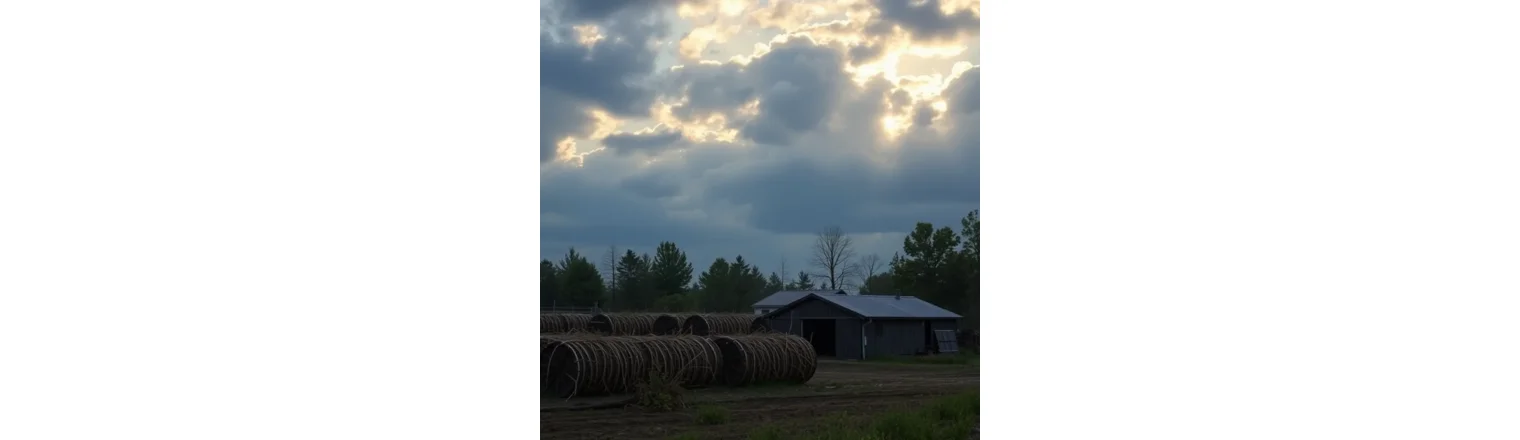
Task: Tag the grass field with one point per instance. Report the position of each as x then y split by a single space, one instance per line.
899 399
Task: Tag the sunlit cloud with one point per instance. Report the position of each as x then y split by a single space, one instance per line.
668 118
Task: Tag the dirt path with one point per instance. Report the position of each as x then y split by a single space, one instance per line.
856 389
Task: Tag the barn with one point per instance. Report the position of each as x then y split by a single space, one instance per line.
784 297
860 326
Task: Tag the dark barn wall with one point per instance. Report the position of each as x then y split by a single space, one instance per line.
848 346
944 324
846 326
895 337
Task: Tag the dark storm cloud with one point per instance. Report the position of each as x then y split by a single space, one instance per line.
604 213
654 140
582 10
964 94
924 21
558 116
651 186
865 53
798 85
801 83
946 169
837 167
710 89
923 115
574 78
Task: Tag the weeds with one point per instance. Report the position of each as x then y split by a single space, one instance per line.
949 418
660 394
712 415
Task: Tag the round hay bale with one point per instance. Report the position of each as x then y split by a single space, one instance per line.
718 324
759 325
666 325
576 322
772 357
546 345
562 322
692 361
622 324
552 323
598 366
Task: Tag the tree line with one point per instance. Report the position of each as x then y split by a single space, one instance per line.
940 265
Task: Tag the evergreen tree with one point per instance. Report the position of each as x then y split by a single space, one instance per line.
580 284
774 284
548 284
670 272
803 282
633 283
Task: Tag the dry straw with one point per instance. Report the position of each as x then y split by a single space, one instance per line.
589 365
562 322
623 324
771 357
596 366
759 325
666 325
692 361
546 345
718 324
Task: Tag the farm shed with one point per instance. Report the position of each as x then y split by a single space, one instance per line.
780 299
860 326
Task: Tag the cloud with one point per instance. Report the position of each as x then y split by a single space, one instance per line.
651 139
926 19
814 127
594 55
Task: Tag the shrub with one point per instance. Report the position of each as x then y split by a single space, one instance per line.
660 394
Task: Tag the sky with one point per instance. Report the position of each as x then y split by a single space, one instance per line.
744 127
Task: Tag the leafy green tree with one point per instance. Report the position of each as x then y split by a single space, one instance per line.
674 303
548 284
971 232
580 284
670 273
971 256
931 267
880 284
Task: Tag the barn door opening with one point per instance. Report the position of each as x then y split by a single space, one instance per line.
822 334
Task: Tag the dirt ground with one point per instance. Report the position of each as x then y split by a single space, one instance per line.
839 389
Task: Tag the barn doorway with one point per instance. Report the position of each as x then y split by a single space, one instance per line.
821 333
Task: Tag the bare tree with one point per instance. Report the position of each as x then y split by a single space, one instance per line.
869 264
834 256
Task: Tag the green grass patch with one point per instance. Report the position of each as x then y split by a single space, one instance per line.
712 415
949 418
766 433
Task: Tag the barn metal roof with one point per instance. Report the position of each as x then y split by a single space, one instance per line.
785 297
883 306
